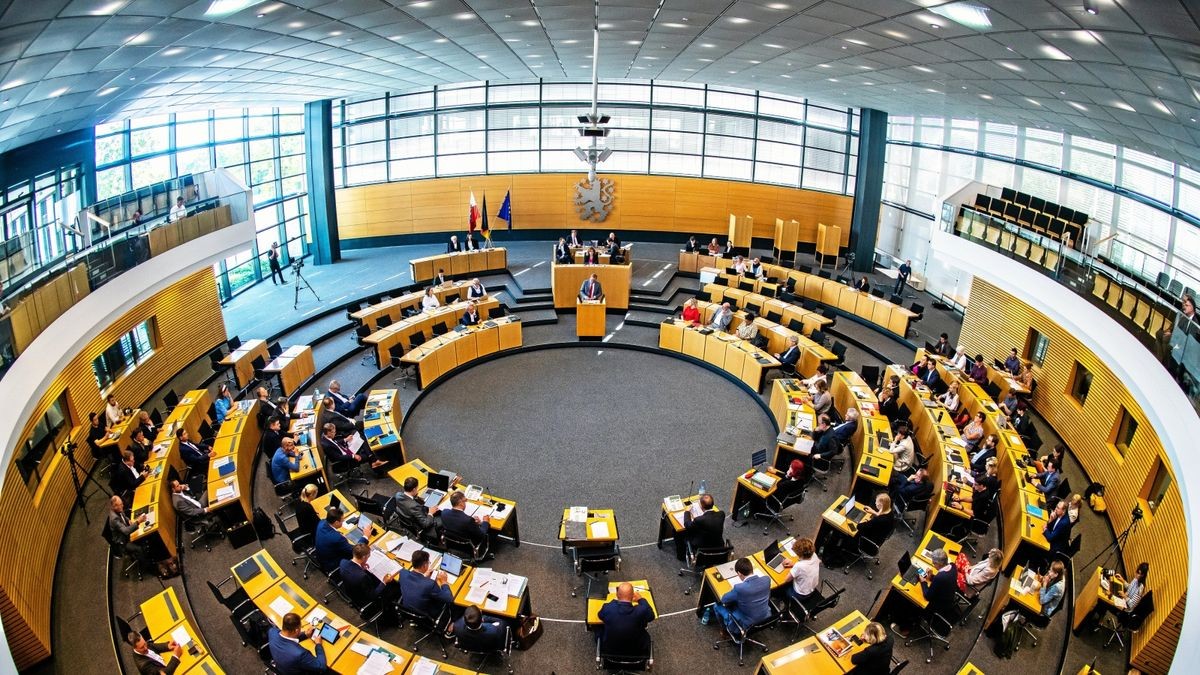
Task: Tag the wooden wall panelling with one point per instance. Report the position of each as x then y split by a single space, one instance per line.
190 322
996 321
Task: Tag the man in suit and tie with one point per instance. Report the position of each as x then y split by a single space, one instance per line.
832 442
195 455
350 407
790 356
1058 530
574 241
345 424
414 510
333 446
471 316
473 633
330 544
562 254
148 655
291 658
706 530
591 289
722 318
185 504
624 620
931 378
140 448
454 246
125 476
119 526
423 592
361 584
747 603
439 279
474 529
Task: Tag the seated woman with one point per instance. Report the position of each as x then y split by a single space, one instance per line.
591 257
983 571
793 481
430 301
1025 377
713 247
306 515
880 521
1074 502
820 400
953 403
972 433
739 266
1058 453
863 285
691 312
889 405
876 659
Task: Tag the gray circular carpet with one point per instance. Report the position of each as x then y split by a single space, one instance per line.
592 426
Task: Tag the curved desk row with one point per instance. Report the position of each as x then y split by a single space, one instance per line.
738 357
811 353
502 523
868 445
455 264
236 443
242 360
399 334
393 309
769 307
153 496
463 344
166 620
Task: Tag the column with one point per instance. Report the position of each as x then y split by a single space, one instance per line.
868 188
322 208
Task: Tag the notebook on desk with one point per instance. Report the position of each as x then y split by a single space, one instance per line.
372 432
575 530
872 471
247 570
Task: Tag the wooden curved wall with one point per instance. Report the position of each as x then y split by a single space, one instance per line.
546 201
189 321
995 321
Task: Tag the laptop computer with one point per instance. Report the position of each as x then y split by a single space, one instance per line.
908 573
334 502
451 564
773 556
439 481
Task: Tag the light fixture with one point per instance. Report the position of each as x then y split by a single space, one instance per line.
173 51
1054 53
464 16
296 24
966 14
671 24
1089 6
110 8
529 23
738 19
923 69
772 45
219 8
106 92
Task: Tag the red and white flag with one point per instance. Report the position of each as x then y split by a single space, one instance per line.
473 214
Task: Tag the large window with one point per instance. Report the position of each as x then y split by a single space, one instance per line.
47 434
127 352
656 127
262 147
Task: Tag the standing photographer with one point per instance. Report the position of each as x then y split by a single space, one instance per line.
273 261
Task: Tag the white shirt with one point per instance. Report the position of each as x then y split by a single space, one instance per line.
430 302
980 573
113 413
476 291
153 655
903 450
192 501
178 211
951 401
806 576
960 361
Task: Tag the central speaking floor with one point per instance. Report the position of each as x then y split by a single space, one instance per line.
590 425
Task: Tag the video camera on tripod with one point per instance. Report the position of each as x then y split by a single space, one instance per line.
297 265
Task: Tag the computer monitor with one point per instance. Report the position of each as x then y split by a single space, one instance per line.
758 457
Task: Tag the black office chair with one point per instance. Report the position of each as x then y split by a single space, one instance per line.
234 342
919 310
497 312
440 329
135 558
818 336
1123 625
286 491
868 550
809 305
830 314
877 292
870 375
917 524
408 371
967 532
935 628
801 613
202 527
896 299
797 326
775 504
472 553
621 664
346 471
740 635
473 647
839 352
704 296
434 626
170 400
593 563
969 599
274 350
702 559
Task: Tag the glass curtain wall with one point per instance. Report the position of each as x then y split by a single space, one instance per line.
263 147
657 128
1144 211
35 216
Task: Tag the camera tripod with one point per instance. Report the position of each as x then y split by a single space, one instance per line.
298 279
1119 543
68 451
846 271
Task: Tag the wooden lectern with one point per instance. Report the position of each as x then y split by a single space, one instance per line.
590 319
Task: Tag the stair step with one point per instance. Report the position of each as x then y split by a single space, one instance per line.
537 317
661 310
637 317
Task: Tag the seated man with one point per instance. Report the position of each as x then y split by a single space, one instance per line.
915 488
902 451
195 455
361 585
414 510
456 522
790 356
1047 482
148 655
837 437
472 633
187 505
345 424
706 530
331 546
1013 363
591 289
747 603
120 527
333 446
290 657
938 589
125 477
943 347
471 316
562 254
691 245
574 239
285 461
140 447
624 620
722 318
421 593
350 407
453 246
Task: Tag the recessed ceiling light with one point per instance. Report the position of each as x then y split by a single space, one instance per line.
857 42
1123 106
463 16
422 3
106 92
441 41
132 78
708 45
923 69
705 60
109 8
652 58
932 91
568 42
604 26
1162 107
530 23
1054 53
633 42
756 62
335 33
896 34
670 24
738 19
58 92
140 38
1011 66
732 72
986 97
296 24
778 5
864 67
1089 6
218 57
785 75
1078 106
824 65
1062 93
173 51
483 56
832 79
219 8
966 14
1033 102
534 56
772 45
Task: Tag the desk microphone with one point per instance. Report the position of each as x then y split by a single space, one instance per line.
690 485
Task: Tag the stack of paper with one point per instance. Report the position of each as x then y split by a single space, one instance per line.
226 492
599 530
280 606
377 663
424 666
516 585
381 566
408 548
578 514
181 637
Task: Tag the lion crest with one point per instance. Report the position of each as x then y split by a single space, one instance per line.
593 200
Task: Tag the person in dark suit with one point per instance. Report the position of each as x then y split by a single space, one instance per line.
863 285
914 488
791 355
747 603
140 448
272 436
332 446
1058 529
591 289
691 245
185 504
361 585
624 620
876 659
346 405
454 246
119 526
471 316
306 514
291 658
591 257
469 244
706 530
148 655
878 527
195 455
728 250
833 441
422 592
574 241
943 346
473 633
938 589
344 424
414 510
125 477
1021 422
147 426
439 279
96 434
985 451
456 522
330 544
562 254
266 407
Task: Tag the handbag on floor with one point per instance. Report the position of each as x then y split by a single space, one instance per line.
529 630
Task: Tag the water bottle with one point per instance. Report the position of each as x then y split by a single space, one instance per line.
703 487
316 395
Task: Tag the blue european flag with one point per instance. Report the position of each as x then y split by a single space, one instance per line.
505 213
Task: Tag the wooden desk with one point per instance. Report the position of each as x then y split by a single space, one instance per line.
455 264
117 437
811 353
714 588
747 494
670 525
641 586
591 540
162 613
841 521
1011 594
516 605
294 366
269 573
920 559
286 591
237 442
738 357
1093 593
566 280
577 253
393 309
766 303
242 360
382 416
349 661
590 318
692 263
446 352
397 337
419 662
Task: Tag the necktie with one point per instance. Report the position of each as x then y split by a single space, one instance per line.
592 291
